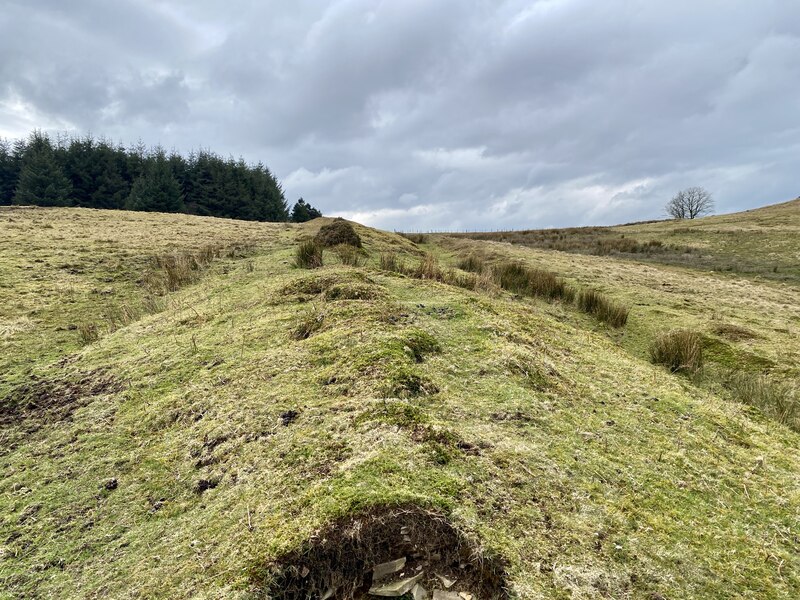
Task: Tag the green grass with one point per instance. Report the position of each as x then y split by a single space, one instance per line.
759 243
547 441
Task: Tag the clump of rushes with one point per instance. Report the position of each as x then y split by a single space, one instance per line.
415 238
520 279
680 351
602 307
390 262
512 277
472 263
776 399
349 255
308 255
428 268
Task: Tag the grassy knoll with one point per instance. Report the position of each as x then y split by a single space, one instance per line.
200 449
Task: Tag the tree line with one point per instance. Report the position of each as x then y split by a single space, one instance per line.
95 173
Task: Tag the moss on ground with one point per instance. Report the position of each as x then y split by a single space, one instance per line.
540 433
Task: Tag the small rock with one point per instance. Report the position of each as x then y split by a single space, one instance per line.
382 570
447 583
328 594
419 593
465 595
304 572
395 589
440 595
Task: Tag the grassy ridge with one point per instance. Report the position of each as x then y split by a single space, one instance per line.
589 470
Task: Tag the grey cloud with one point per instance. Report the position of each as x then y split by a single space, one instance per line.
428 115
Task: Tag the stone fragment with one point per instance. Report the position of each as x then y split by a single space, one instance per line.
393 566
419 593
447 583
442 595
395 589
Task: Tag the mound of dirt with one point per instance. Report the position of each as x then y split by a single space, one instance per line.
337 232
386 552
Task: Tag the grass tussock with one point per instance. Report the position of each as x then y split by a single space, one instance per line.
606 310
776 399
415 238
520 279
428 268
680 351
338 232
349 255
472 263
308 255
308 324
88 332
389 261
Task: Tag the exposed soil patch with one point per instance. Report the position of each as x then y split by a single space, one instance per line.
381 548
37 403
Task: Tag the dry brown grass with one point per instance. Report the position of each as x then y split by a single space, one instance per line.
602 307
308 255
680 351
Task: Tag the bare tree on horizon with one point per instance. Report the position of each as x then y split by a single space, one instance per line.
690 203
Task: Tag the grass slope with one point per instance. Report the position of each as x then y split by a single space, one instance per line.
181 454
759 243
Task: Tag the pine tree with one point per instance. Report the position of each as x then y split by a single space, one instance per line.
157 190
8 172
41 179
302 212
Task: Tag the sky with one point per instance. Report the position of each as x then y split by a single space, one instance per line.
423 115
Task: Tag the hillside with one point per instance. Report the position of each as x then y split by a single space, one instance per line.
763 242
185 413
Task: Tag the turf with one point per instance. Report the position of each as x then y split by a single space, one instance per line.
204 442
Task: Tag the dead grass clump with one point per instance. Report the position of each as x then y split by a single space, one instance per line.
520 279
390 262
309 323
338 232
428 268
777 400
679 350
472 263
602 307
415 238
468 281
733 332
88 332
339 561
178 269
349 255
512 277
308 255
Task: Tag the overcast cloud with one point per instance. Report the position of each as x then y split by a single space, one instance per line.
433 114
